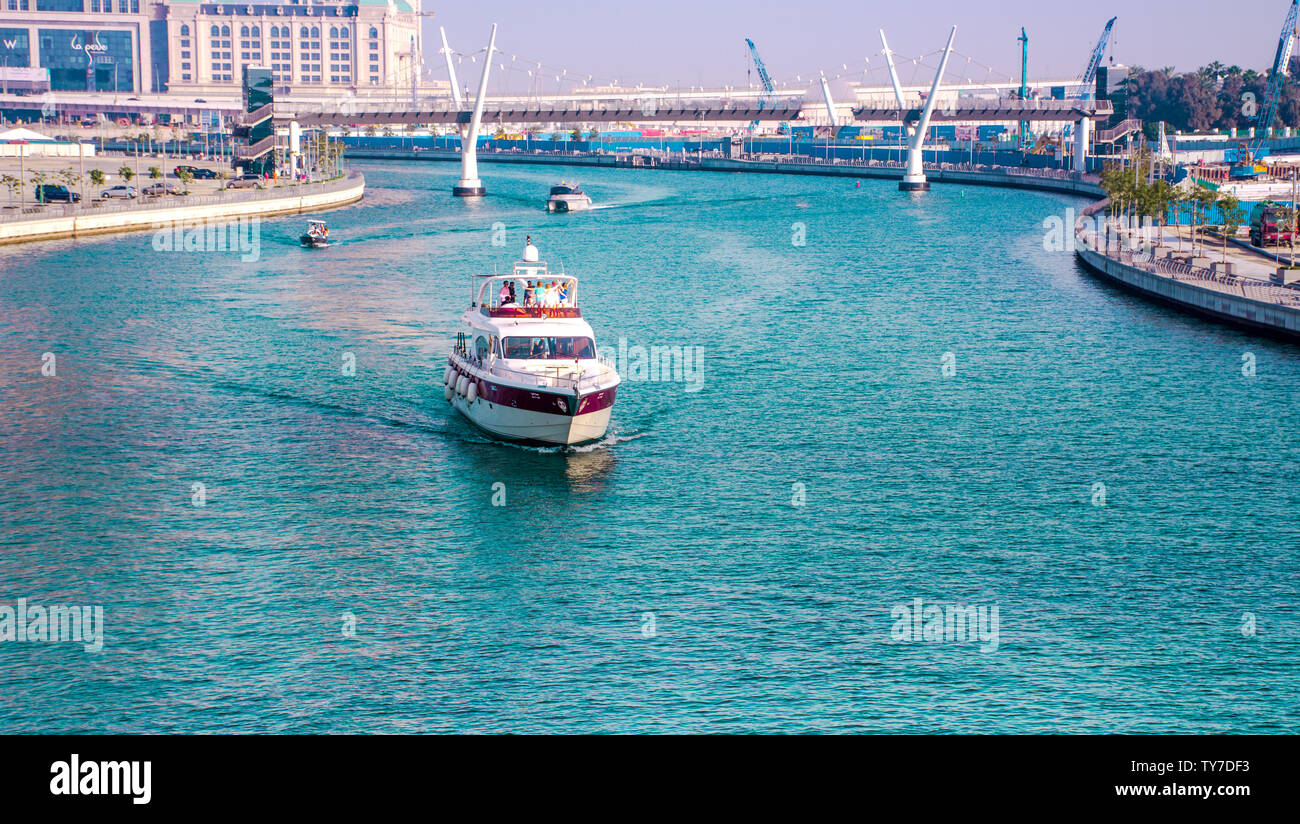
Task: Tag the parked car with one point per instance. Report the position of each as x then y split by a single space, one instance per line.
160 189
119 191
197 172
54 193
246 181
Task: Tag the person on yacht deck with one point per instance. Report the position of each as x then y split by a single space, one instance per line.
530 294
552 295
505 294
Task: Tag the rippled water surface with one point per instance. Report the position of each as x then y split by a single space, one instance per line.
664 579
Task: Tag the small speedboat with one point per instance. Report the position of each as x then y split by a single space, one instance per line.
524 367
317 234
567 197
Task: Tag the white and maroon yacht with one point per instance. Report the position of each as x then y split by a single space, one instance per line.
525 368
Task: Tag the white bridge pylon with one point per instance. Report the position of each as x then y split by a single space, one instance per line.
914 175
469 184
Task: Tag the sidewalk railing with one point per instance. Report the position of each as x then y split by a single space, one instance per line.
274 191
1250 288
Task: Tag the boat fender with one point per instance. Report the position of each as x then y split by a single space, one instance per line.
471 392
446 391
460 385
446 376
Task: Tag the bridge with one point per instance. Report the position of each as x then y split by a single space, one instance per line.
1058 111
913 110
444 113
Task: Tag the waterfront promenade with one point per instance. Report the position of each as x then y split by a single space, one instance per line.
1237 287
92 217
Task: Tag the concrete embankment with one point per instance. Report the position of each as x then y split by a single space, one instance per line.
1253 306
80 221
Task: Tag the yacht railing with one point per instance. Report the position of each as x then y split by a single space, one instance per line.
496 368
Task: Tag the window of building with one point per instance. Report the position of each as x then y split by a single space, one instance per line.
340 55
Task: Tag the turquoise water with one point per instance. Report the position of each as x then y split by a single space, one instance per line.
672 577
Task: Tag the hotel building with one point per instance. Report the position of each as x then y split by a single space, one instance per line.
198 48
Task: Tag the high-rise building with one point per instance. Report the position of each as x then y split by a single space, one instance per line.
196 47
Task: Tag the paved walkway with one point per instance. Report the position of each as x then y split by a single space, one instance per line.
1247 263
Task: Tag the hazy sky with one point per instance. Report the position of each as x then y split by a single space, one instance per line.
702 42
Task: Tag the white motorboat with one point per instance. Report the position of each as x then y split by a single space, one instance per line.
567 197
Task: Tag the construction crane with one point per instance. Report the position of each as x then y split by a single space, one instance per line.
1090 73
1281 68
1024 83
1247 165
769 90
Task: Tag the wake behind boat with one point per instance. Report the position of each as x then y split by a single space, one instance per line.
525 367
567 197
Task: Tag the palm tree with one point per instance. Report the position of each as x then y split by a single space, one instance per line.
1286 216
38 177
11 183
1162 195
1178 197
1230 211
1203 199
70 179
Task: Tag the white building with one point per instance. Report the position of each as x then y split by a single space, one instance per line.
197 47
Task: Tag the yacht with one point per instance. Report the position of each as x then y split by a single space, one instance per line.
524 367
567 197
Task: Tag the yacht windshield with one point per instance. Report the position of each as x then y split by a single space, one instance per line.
549 348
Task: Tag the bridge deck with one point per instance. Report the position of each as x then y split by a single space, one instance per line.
1036 110
446 115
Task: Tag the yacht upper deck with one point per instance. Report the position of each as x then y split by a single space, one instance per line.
531 290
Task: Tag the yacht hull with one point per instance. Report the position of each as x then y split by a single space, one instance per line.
526 414
536 428
568 204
